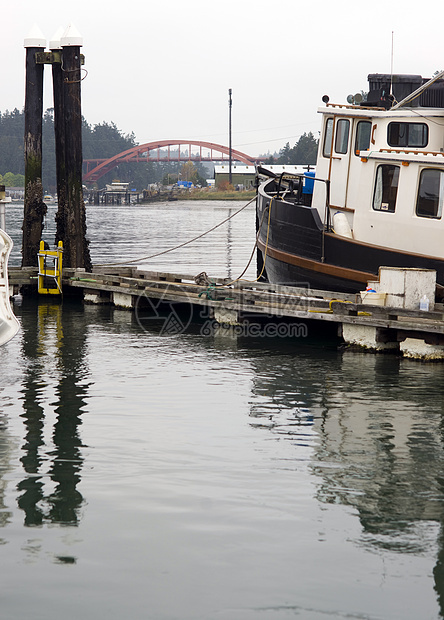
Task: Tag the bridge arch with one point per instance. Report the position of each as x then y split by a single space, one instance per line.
207 151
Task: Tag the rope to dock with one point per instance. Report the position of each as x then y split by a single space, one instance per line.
239 278
181 245
213 285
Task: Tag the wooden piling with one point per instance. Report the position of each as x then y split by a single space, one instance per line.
73 218
59 133
34 207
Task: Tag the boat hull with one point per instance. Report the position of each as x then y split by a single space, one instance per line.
298 252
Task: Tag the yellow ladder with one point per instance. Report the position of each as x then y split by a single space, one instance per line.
50 270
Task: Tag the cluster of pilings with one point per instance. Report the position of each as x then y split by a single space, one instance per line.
65 58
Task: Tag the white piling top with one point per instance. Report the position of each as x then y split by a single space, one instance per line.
55 40
71 37
35 38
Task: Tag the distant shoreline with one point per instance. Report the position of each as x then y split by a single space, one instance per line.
248 195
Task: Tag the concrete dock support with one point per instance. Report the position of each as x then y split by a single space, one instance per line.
123 300
226 316
420 350
96 297
367 337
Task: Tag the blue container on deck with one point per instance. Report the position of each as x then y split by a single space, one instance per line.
308 182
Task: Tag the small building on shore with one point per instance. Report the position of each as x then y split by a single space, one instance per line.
15 193
244 175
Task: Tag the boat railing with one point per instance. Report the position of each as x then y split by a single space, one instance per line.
349 106
411 152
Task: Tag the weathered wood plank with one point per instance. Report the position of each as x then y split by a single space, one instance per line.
385 311
274 302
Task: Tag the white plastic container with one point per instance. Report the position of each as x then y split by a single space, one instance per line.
373 299
424 304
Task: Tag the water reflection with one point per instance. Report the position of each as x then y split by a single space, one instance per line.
54 392
5 456
375 428
380 449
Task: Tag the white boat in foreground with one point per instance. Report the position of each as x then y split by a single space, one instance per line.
9 324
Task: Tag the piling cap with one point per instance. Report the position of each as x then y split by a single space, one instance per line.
71 37
35 38
55 40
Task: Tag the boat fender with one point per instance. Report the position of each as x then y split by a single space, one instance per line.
341 225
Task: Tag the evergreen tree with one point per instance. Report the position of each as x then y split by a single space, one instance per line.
12 130
102 141
304 151
285 155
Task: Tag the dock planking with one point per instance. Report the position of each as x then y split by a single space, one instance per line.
242 301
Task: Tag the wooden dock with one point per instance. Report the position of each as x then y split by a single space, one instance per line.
412 333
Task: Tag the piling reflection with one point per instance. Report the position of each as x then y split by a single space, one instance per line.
375 427
54 392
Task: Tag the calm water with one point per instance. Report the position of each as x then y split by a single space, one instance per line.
196 477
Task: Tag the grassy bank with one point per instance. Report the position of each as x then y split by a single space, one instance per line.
215 195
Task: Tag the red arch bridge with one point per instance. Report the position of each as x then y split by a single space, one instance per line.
163 152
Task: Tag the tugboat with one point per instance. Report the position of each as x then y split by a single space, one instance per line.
376 198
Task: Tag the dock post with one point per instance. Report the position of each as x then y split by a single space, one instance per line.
59 132
34 208
73 219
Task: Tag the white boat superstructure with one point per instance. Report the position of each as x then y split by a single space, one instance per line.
378 191
386 170
9 324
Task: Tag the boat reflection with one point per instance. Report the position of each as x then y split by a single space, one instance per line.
54 393
375 429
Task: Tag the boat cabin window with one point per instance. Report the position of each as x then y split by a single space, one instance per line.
363 134
430 194
408 134
341 137
342 131
386 188
327 139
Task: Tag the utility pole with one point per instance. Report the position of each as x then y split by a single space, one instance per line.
34 208
230 104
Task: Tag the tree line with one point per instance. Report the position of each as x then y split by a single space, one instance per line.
303 152
99 141
105 140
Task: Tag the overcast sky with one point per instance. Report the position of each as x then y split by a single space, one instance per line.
163 68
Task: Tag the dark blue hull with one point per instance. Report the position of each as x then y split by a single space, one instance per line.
298 251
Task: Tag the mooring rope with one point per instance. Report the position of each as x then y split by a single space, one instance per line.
212 285
181 245
239 278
